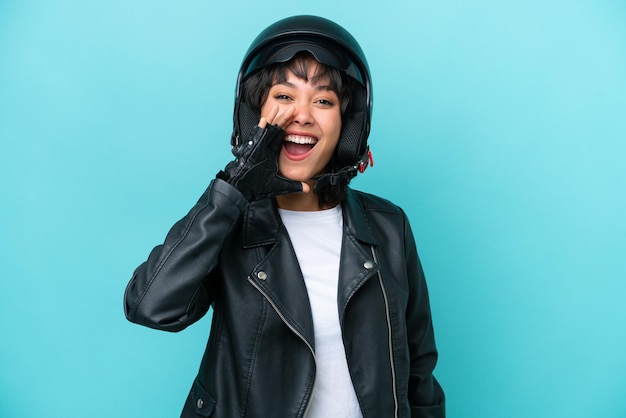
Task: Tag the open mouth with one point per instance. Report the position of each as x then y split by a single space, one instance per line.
298 145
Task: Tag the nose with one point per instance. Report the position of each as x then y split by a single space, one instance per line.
302 114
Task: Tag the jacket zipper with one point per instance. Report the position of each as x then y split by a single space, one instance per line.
391 359
294 331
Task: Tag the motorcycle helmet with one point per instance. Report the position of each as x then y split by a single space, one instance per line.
332 45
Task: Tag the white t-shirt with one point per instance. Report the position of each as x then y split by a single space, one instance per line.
316 238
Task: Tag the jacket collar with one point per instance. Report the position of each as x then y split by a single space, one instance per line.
261 223
262 227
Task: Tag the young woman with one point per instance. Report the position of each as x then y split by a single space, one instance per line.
320 307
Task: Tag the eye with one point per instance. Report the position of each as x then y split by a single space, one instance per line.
326 102
282 97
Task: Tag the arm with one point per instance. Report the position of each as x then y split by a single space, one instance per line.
425 394
168 291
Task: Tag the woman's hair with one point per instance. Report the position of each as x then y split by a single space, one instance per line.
257 85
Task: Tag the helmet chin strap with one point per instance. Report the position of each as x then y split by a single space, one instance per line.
345 174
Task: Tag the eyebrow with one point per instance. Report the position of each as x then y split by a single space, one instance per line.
322 87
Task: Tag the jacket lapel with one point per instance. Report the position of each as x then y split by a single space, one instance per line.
277 275
357 261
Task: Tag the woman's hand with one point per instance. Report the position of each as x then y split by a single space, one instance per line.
275 117
282 120
254 172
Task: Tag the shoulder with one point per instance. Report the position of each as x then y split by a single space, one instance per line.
372 203
375 219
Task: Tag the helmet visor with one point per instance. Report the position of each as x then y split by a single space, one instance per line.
321 50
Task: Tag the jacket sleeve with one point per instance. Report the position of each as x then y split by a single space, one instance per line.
169 291
426 396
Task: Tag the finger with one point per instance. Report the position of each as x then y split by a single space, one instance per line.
271 115
284 119
262 123
305 188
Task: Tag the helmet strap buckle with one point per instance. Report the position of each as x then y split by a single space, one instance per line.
366 160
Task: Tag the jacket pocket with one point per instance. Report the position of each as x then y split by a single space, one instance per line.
199 403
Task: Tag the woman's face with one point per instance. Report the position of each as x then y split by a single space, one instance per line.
310 114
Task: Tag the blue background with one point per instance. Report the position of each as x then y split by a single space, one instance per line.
498 125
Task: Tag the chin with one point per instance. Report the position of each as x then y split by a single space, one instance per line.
296 175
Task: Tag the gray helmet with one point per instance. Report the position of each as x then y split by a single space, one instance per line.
331 45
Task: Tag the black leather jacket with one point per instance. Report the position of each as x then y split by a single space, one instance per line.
260 357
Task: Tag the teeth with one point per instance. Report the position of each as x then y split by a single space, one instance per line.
301 139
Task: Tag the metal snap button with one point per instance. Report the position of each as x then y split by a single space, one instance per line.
262 275
200 403
368 265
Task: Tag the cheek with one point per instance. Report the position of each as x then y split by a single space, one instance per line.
333 134
265 107
336 131
269 103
